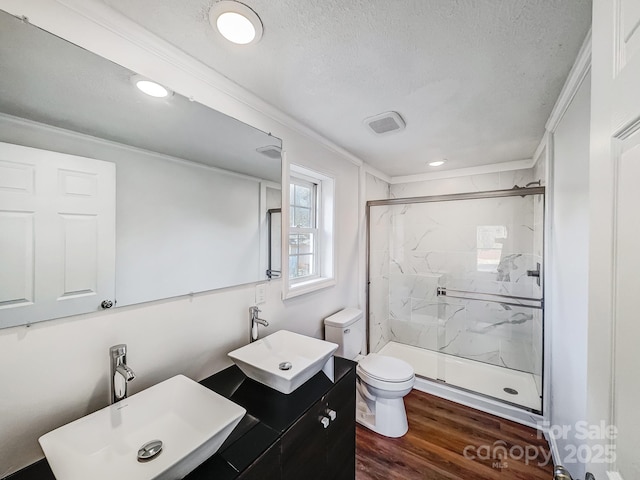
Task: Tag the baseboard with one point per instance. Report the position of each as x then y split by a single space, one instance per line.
553 447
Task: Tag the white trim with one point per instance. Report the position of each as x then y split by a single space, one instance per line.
553 447
481 403
537 156
327 274
548 259
362 240
284 226
315 189
463 172
376 173
577 74
110 30
310 286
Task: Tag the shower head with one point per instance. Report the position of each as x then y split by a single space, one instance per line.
517 187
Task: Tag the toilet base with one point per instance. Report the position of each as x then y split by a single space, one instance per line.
385 416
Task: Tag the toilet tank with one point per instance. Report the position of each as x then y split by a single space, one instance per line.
346 328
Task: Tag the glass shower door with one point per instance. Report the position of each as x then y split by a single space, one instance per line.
463 291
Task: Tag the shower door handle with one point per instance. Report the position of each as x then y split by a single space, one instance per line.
535 273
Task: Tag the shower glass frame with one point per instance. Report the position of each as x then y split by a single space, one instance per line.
516 191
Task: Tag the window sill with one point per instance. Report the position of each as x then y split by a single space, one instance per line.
310 286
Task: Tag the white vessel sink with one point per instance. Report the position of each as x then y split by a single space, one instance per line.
190 420
264 359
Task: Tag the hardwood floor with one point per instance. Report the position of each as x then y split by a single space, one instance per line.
440 432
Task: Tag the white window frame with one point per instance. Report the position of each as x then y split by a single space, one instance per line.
324 273
315 229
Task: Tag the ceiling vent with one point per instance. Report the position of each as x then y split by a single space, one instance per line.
271 151
384 123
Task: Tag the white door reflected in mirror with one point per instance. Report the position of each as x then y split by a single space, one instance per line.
57 248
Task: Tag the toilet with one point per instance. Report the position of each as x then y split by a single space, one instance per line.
382 382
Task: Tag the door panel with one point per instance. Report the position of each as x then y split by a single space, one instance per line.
626 391
628 21
80 259
16 258
57 248
303 447
614 262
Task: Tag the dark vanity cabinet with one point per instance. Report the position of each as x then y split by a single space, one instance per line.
266 466
306 435
321 444
314 425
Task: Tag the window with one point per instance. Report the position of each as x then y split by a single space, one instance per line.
303 229
310 236
490 240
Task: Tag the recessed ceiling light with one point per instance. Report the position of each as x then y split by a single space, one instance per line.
437 164
236 22
150 87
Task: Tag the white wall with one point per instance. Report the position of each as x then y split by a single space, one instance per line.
56 371
569 269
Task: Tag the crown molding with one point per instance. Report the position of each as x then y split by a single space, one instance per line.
544 142
463 172
101 29
581 67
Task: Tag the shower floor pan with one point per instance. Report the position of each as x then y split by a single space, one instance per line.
471 375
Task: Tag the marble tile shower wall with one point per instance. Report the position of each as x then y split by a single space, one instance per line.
379 286
379 275
467 183
416 248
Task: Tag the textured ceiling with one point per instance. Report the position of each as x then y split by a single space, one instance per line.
475 80
49 80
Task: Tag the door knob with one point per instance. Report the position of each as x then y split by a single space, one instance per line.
106 304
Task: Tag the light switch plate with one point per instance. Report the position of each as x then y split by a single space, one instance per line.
261 293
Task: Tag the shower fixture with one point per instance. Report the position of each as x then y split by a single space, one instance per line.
537 182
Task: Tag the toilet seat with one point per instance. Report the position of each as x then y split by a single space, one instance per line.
385 373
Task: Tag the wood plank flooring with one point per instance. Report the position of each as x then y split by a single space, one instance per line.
434 447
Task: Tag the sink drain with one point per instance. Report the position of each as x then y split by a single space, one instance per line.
149 450
511 391
285 366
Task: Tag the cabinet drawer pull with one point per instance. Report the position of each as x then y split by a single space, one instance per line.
332 414
325 421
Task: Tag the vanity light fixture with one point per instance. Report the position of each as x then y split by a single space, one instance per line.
150 87
236 22
437 163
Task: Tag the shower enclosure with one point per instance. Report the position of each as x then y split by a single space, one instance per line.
455 289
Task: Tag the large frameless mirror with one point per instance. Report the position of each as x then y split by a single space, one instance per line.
110 197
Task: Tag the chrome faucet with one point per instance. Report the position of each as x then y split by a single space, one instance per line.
121 374
255 320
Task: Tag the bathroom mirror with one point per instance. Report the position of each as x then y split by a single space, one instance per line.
149 198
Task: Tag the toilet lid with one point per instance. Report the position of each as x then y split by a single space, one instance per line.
386 368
